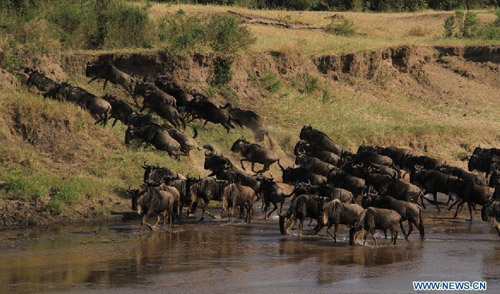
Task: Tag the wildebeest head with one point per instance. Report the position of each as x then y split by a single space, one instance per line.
134 195
140 89
94 68
301 147
216 163
305 132
239 144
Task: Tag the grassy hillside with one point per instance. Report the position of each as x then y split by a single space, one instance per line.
56 165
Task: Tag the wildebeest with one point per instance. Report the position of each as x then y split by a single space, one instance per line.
314 164
120 110
155 135
182 96
484 162
224 169
184 188
159 105
468 192
464 175
187 143
431 181
235 195
206 189
324 190
207 111
335 212
99 108
491 212
254 153
300 175
320 139
152 92
372 219
303 206
151 199
412 161
313 151
408 211
271 193
39 80
343 179
253 121
159 175
398 189
107 71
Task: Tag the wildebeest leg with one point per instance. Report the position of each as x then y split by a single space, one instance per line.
364 238
301 226
266 205
91 80
291 224
252 164
458 208
498 230
449 199
374 239
144 219
249 212
242 166
435 200
470 210
330 233
454 203
274 209
281 206
395 233
385 234
310 222
403 229
410 228
335 233
231 211
114 123
105 83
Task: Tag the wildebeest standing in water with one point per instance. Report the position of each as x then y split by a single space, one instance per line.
107 71
372 219
254 153
304 206
335 212
147 200
236 195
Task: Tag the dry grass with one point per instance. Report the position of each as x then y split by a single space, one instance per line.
375 30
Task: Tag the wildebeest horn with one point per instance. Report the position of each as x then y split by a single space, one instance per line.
209 148
144 165
418 167
129 187
281 167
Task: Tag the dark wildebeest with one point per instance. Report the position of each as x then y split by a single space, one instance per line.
470 193
184 188
431 181
484 163
253 121
347 181
161 107
375 158
159 175
40 81
206 189
147 200
224 169
372 219
395 153
408 211
271 193
464 175
312 151
314 164
300 175
153 93
120 110
335 212
412 161
140 120
107 71
254 153
324 190
182 96
236 195
491 212
209 112
99 108
320 140
303 206
187 143
155 135
398 189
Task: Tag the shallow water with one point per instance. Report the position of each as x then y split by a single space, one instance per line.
214 257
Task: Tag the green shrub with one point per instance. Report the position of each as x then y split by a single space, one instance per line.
227 35
17 184
182 33
471 25
223 73
463 25
345 28
310 84
449 26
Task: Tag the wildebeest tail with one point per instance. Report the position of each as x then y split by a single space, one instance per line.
421 224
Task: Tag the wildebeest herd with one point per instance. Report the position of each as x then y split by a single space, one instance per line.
376 188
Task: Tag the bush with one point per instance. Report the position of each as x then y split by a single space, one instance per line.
462 25
227 35
223 73
345 28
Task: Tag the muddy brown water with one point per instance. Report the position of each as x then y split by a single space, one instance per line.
216 257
